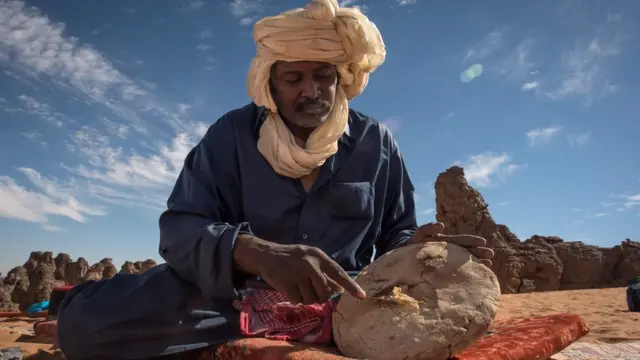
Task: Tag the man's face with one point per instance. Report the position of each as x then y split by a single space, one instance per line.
304 91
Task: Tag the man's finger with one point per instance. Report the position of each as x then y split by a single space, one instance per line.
482 252
291 290
308 293
335 287
486 262
461 240
337 274
431 229
321 287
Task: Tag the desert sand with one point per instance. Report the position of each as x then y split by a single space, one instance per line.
605 311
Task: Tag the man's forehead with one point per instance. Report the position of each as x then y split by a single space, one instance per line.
297 66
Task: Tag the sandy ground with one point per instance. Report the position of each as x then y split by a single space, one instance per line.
604 310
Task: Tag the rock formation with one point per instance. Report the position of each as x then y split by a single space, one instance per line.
541 263
34 281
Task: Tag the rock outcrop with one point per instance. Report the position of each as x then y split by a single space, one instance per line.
541 263
34 281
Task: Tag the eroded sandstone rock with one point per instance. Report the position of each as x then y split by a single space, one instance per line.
541 263
455 299
42 272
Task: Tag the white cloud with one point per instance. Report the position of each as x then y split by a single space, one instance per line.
111 165
393 123
406 2
530 85
195 4
32 43
247 20
246 10
354 3
428 211
203 47
451 115
505 203
585 66
542 136
518 64
205 34
579 140
482 169
49 198
597 215
108 174
632 201
42 110
485 47
623 202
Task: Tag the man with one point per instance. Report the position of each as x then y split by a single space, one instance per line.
295 188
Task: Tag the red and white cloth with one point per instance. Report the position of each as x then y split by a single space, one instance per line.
269 314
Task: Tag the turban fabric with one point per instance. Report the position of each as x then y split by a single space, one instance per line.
322 32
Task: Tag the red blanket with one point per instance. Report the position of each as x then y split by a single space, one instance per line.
516 339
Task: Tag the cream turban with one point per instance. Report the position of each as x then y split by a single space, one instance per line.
322 32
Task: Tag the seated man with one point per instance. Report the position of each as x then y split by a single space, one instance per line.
295 188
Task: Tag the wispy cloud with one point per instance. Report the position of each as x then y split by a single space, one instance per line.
518 63
530 85
484 169
32 43
451 115
505 203
406 2
585 65
485 47
246 11
623 202
49 198
192 5
354 3
393 123
107 173
42 110
542 136
579 140
428 211
205 33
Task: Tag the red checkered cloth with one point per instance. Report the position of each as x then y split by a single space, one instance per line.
269 314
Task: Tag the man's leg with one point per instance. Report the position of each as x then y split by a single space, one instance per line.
141 316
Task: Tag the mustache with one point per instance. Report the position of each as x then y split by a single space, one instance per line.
301 106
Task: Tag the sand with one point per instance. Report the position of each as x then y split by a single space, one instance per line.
605 311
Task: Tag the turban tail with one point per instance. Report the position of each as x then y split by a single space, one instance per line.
322 32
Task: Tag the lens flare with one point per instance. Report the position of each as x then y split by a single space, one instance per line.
471 73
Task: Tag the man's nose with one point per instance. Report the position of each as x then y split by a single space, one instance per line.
310 89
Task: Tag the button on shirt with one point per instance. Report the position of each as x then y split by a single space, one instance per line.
361 205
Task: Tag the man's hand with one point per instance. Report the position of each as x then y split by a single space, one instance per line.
475 244
304 273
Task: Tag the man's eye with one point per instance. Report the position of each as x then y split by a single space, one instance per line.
292 80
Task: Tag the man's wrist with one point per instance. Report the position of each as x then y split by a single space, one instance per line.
245 253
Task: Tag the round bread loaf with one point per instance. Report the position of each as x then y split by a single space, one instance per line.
426 301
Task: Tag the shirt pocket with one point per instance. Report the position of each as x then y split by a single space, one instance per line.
351 200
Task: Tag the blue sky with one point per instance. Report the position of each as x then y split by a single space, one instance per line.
101 100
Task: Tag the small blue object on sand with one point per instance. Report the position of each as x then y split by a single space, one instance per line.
38 307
